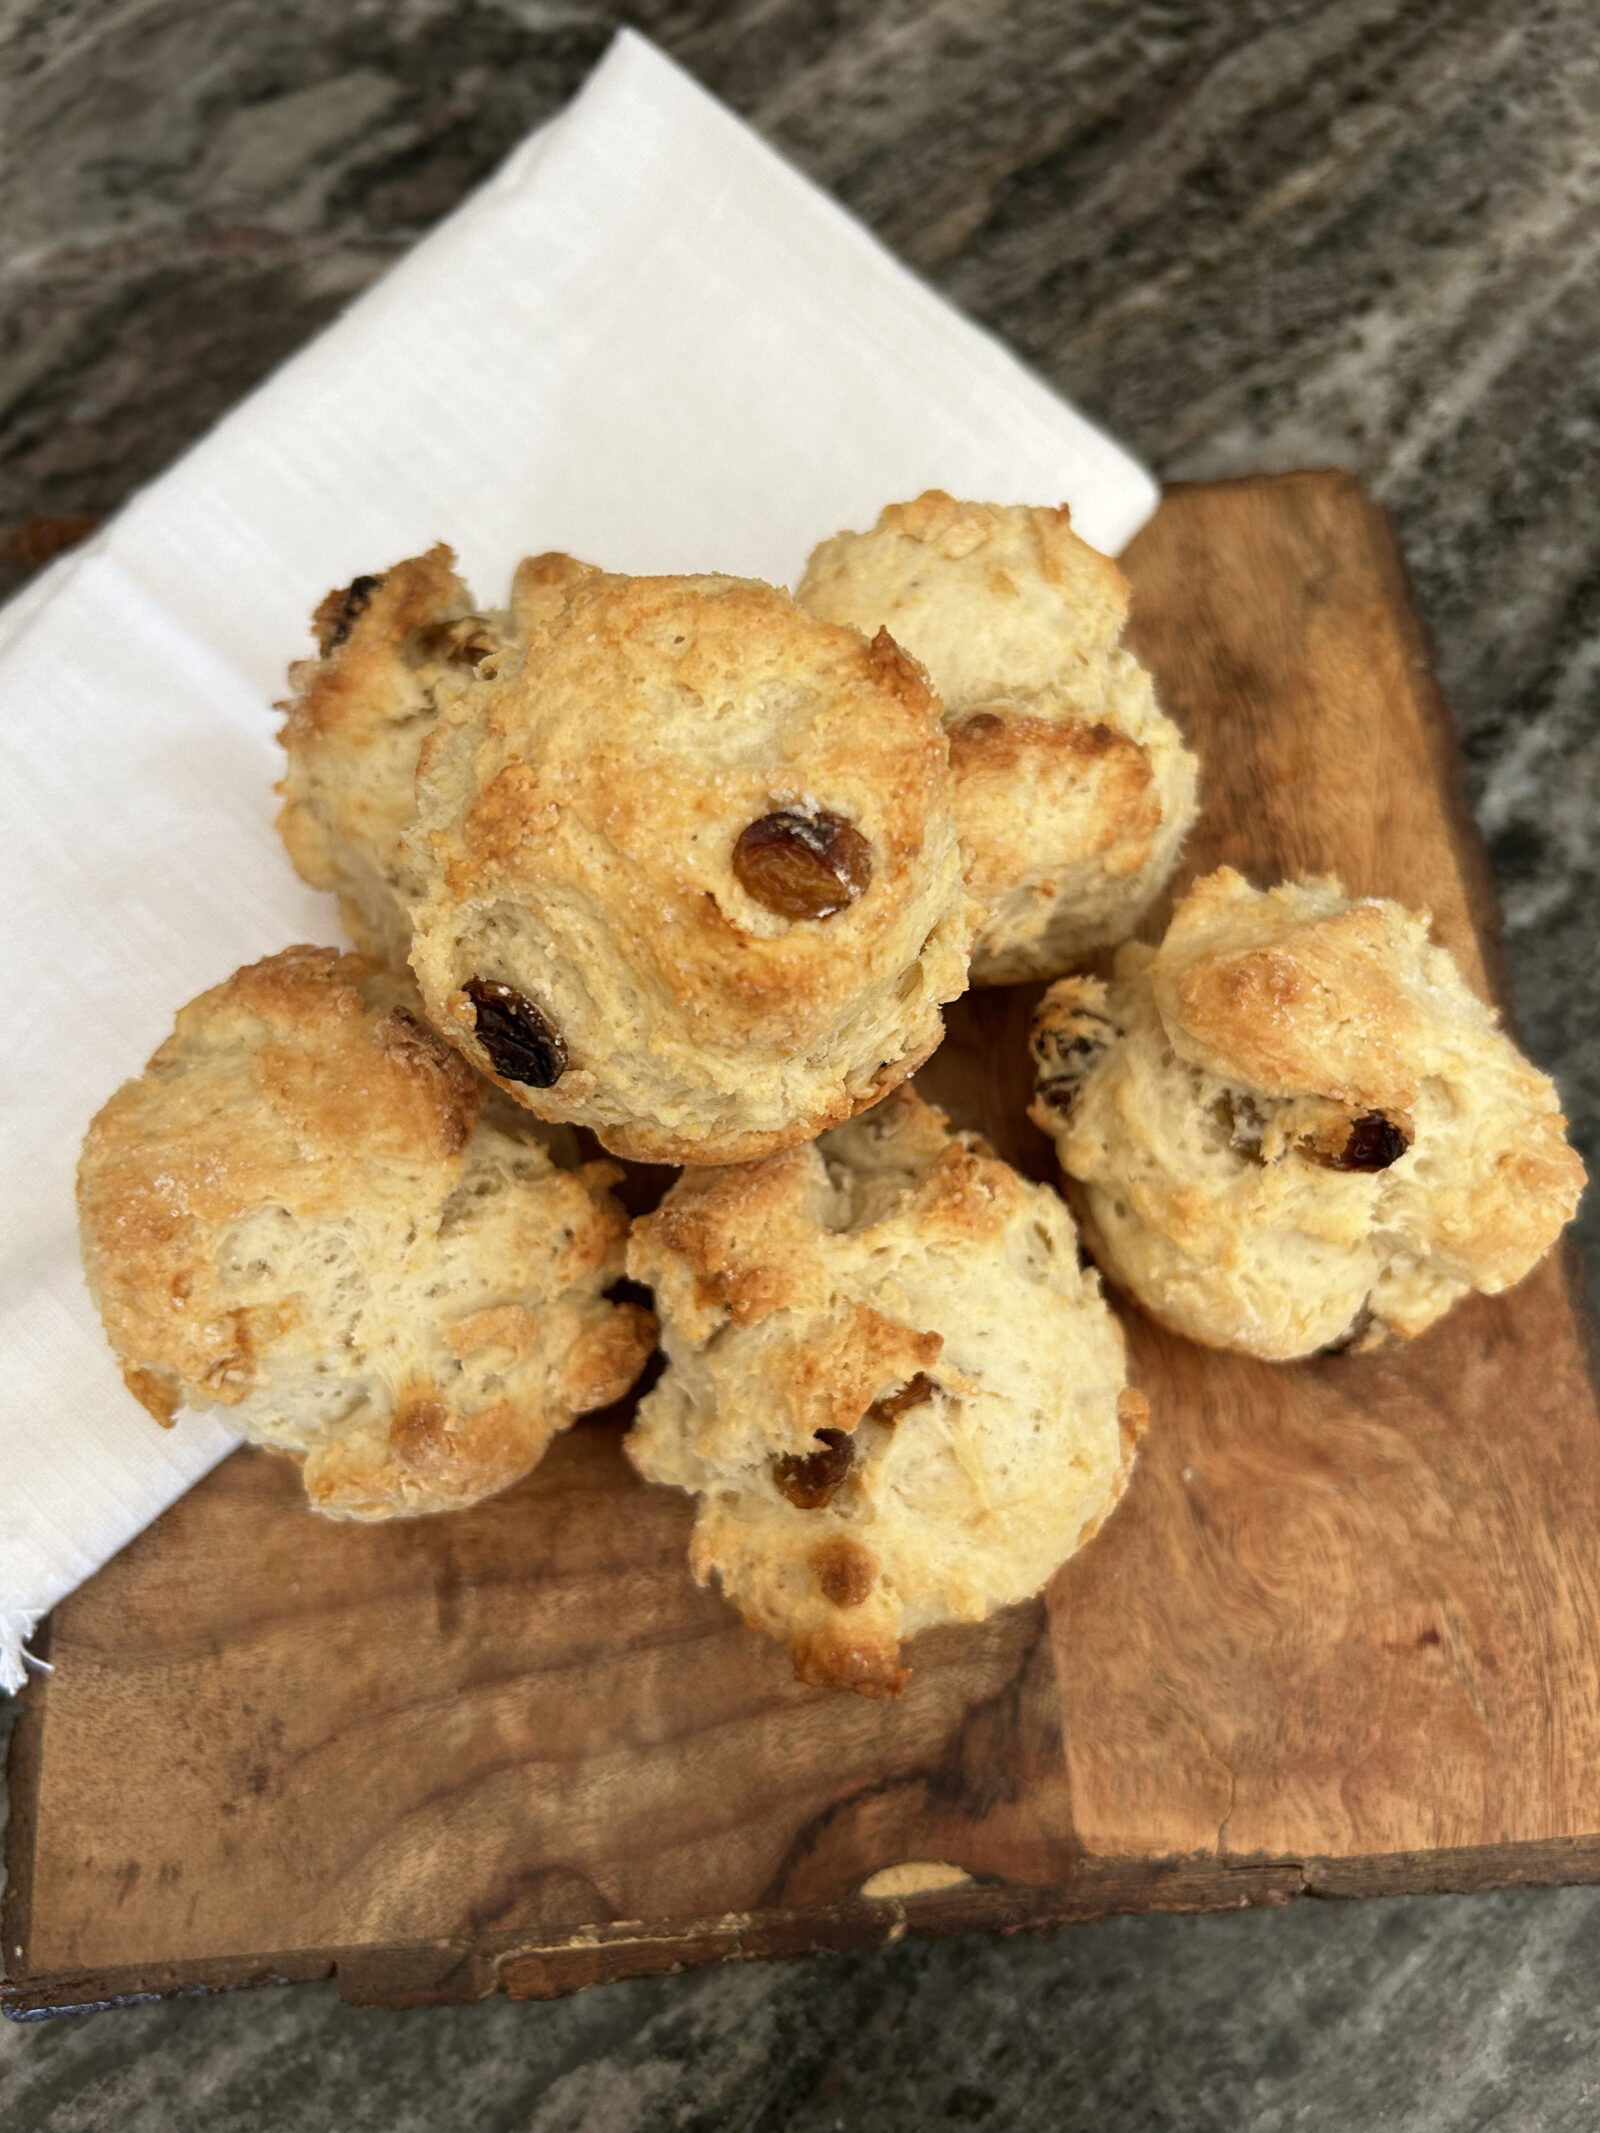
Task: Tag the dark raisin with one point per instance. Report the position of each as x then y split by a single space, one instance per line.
522 1044
803 866
1066 1050
810 1482
894 1404
1372 1143
340 615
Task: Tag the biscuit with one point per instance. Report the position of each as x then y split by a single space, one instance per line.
390 648
306 1214
1294 1125
896 1392
691 875
1074 791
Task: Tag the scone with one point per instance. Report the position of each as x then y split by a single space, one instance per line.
690 871
1074 791
310 1213
898 1396
391 647
1294 1124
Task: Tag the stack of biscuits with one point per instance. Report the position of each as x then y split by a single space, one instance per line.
684 869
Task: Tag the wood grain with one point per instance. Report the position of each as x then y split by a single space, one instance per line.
1338 1639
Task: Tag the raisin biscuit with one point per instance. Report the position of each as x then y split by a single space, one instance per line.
390 648
306 1214
1074 791
1295 1126
691 875
898 1396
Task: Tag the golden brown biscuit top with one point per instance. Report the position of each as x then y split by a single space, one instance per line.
898 1395
373 635
281 1086
633 760
298 1213
645 690
1001 536
1294 990
995 600
748 1240
1296 1122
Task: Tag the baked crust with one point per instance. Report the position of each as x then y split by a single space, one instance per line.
896 1393
580 815
1074 791
310 1213
387 646
1294 1124
391 648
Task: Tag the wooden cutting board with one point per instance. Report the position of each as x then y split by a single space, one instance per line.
1341 1637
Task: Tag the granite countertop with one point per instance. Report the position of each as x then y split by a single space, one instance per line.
1254 235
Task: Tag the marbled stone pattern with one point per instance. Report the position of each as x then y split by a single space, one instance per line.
1247 234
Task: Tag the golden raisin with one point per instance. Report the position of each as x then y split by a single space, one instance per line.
802 866
894 1404
809 1482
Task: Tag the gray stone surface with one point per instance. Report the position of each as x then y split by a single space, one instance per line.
1456 2015
1246 234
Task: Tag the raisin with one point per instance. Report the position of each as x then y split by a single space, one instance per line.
1066 1051
341 614
522 1044
802 866
894 1404
810 1482
1372 1143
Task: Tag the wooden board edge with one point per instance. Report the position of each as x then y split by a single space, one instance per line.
24 1762
435 1973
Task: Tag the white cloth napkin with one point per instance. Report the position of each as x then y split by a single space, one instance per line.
647 341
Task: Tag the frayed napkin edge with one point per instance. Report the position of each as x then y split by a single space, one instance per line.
17 1626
